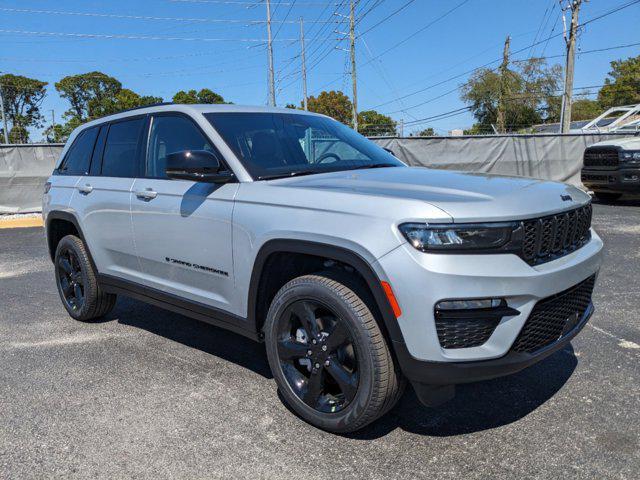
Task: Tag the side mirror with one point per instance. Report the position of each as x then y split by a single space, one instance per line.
197 166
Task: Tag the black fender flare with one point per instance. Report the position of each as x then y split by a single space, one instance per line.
71 218
333 252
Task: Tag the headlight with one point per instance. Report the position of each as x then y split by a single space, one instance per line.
426 237
630 156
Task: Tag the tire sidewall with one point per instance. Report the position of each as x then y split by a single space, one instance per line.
317 291
75 244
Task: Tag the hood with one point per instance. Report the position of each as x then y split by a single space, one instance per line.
466 197
628 143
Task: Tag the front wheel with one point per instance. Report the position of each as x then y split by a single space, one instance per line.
329 358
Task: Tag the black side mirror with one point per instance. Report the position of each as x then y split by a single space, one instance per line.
197 166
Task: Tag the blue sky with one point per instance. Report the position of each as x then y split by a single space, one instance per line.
218 44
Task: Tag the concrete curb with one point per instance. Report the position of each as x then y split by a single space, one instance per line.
24 222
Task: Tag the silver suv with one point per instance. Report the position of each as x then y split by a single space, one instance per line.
358 272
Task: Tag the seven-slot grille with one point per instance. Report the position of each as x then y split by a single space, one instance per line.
554 317
600 157
550 237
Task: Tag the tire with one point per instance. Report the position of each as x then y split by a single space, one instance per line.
607 196
77 282
363 362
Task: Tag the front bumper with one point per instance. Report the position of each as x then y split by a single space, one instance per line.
421 280
448 373
615 181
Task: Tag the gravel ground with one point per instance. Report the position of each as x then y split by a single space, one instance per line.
150 394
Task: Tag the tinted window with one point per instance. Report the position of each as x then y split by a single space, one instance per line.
120 151
170 134
96 159
279 144
76 161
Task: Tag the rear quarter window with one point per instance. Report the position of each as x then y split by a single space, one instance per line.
78 158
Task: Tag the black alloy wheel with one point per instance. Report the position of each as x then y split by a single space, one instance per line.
317 356
327 353
71 279
77 282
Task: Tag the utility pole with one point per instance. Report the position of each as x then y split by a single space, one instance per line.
272 86
4 118
401 128
352 35
53 120
565 113
304 65
504 87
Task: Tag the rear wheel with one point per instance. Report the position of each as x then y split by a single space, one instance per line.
329 358
607 196
77 282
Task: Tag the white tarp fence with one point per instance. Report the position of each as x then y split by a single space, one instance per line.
550 157
25 168
23 171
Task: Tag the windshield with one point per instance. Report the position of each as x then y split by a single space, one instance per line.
273 145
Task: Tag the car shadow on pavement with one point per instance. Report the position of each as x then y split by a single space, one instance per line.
476 407
207 338
479 406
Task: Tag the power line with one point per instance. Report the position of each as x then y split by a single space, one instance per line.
252 4
500 59
420 30
143 37
404 41
395 12
144 17
285 18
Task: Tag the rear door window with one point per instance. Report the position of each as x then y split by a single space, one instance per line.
120 157
78 158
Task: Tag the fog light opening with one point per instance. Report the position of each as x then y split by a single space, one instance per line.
474 304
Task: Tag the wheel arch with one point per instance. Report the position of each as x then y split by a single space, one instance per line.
60 223
323 251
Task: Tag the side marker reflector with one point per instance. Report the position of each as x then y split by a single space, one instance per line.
392 299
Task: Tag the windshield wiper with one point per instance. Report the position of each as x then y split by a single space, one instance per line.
374 165
298 173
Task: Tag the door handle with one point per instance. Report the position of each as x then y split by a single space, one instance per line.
147 194
85 189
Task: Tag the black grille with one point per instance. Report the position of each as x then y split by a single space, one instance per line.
464 332
600 157
554 317
550 237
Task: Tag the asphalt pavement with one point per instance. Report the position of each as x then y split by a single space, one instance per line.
146 393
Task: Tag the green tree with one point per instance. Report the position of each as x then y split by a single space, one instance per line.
530 92
203 96
623 88
585 109
23 97
91 95
333 104
126 99
427 132
60 133
372 123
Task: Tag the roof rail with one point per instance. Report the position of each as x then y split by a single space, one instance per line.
144 106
